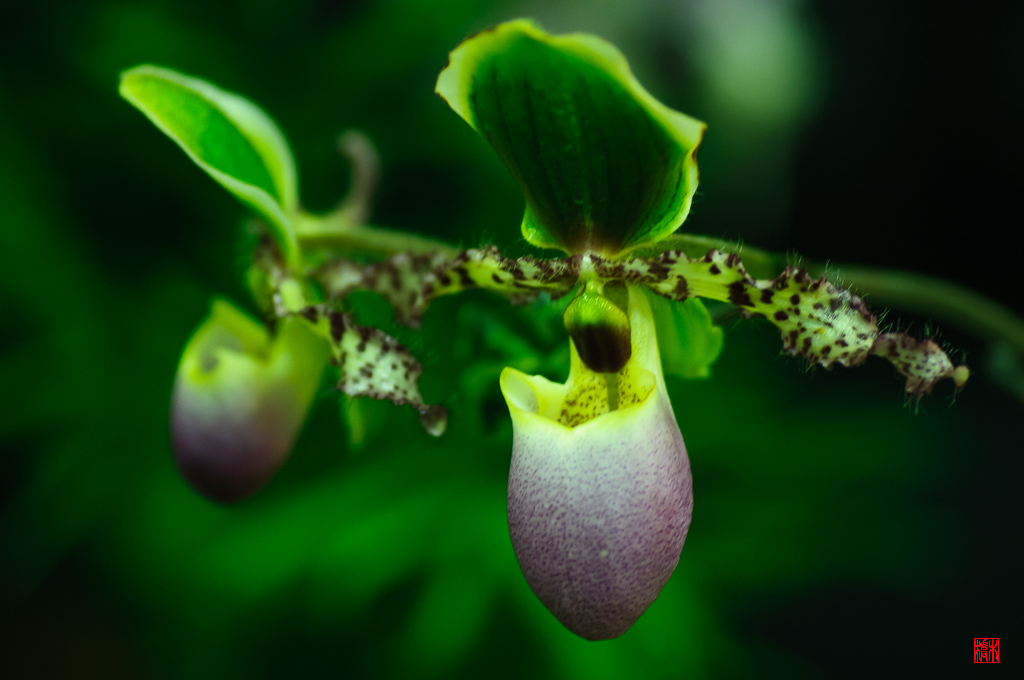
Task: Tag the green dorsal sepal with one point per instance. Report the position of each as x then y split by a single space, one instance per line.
603 165
819 321
373 364
600 332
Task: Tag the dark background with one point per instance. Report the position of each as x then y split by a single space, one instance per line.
837 533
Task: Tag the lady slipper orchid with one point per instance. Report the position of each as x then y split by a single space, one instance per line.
600 494
599 491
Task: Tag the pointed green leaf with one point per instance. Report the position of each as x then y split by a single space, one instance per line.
229 137
603 165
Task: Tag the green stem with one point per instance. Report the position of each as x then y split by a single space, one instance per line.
336 232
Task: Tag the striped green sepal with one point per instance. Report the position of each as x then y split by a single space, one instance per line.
603 165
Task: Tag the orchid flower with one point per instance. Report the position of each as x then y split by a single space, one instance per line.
600 492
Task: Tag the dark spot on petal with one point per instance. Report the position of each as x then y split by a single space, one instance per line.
464 278
738 294
364 337
657 270
337 326
681 290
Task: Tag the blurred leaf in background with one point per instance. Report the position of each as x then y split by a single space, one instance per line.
827 519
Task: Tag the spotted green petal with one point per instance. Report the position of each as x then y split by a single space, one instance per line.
373 364
411 281
819 321
600 492
603 165
398 279
229 137
520 279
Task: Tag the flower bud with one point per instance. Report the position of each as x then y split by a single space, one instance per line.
240 399
598 511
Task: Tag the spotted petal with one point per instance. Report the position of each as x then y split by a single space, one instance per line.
819 321
373 364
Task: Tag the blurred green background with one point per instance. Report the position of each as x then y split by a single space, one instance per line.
836 533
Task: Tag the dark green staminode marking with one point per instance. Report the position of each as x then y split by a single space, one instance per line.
600 331
597 170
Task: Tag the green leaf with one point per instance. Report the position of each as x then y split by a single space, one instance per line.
603 165
688 339
229 137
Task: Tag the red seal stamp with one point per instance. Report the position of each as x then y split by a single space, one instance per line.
986 650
